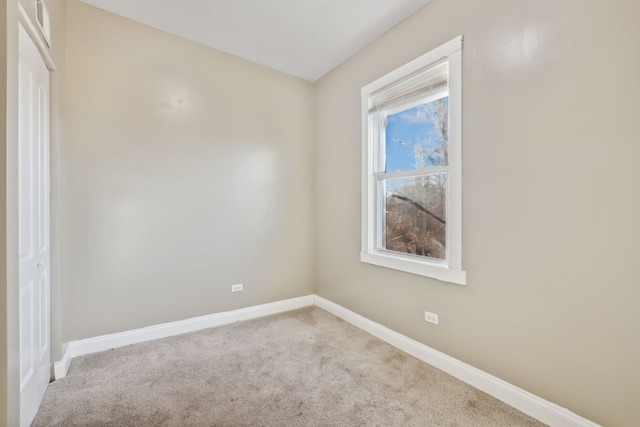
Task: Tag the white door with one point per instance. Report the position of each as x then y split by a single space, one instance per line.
35 357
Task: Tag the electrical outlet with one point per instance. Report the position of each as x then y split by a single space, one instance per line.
236 288
431 317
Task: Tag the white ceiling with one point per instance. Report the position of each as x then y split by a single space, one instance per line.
303 38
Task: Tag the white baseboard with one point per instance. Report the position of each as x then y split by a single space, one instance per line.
121 339
534 406
61 368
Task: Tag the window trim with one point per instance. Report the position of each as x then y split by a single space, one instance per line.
451 271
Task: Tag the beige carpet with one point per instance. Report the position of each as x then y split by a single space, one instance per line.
301 368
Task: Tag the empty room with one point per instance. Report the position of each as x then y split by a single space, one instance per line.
320 213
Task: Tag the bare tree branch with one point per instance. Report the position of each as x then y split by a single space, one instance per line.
418 206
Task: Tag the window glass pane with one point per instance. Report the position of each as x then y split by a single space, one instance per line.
417 137
414 218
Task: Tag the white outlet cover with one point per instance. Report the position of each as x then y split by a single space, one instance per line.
431 317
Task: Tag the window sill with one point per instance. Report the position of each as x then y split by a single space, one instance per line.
439 272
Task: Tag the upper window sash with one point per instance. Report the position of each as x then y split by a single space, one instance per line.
378 123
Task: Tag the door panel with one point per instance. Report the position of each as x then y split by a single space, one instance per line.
33 157
27 338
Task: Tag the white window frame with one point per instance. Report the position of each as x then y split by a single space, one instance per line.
451 269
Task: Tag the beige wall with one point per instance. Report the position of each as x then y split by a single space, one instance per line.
551 208
189 171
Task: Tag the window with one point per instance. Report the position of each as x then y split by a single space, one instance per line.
412 166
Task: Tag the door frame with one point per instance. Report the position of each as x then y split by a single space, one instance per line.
10 390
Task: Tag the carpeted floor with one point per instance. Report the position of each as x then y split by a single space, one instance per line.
301 368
